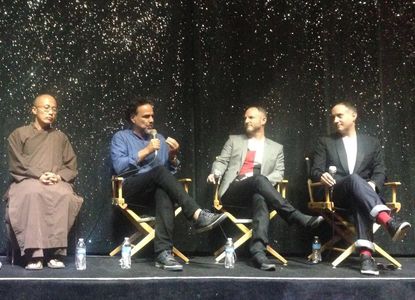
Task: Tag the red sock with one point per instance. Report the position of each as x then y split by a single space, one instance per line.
365 252
383 218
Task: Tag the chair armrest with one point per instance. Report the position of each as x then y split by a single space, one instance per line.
185 180
393 204
117 197
282 187
186 183
320 205
392 183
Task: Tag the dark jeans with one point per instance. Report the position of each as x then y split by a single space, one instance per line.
161 189
356 195
261 194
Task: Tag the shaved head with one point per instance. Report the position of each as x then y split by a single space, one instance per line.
40 98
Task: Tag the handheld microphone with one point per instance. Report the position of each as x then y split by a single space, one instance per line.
332 172
153 133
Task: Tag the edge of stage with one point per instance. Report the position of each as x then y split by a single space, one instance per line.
205 279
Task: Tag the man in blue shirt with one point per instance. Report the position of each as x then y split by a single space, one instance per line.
148 161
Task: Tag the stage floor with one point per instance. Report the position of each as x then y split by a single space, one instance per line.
205 279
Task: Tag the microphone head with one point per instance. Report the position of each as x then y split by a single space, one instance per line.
153 133
217 173
332 170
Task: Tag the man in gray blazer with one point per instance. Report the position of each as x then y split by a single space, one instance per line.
250 165
359 176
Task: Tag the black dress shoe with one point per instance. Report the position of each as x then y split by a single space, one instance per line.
261 262
398 229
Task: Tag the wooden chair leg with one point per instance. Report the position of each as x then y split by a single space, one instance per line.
144 226
247 233
387 256
219 251
277 255
133 238
237 244
344 255
245 238
142 243
329 245
181 255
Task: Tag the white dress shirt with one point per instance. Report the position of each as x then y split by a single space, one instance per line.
350 144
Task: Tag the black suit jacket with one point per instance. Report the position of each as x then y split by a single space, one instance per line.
330 151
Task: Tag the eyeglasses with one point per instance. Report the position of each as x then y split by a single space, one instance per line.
47 108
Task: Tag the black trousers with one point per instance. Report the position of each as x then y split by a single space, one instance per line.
356 195
258 192
159 188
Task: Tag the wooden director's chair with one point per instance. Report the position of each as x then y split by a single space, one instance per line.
343 230
242 224
144 225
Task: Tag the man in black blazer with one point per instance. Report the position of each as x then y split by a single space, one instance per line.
352 165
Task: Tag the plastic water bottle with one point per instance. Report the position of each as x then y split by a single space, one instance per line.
80 255
125 261
230 255
316 253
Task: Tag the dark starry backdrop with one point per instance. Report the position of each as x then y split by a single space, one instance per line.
204 61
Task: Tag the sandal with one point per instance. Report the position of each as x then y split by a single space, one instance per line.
34 265
56 264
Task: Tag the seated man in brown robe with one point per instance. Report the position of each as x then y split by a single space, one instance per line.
42 205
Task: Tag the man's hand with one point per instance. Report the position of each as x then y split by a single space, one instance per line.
49 178
45 179
211 179
153 145
173 148
327 179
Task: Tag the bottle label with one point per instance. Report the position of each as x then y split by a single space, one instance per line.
229 250
316 247
81 251
126 251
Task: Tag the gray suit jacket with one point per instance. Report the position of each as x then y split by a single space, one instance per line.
232 157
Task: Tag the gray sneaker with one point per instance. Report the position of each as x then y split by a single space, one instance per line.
261 261
368 265
166 261
208 220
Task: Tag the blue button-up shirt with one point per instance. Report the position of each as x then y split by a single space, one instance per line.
125 146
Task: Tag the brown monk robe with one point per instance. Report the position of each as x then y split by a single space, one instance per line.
42 205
